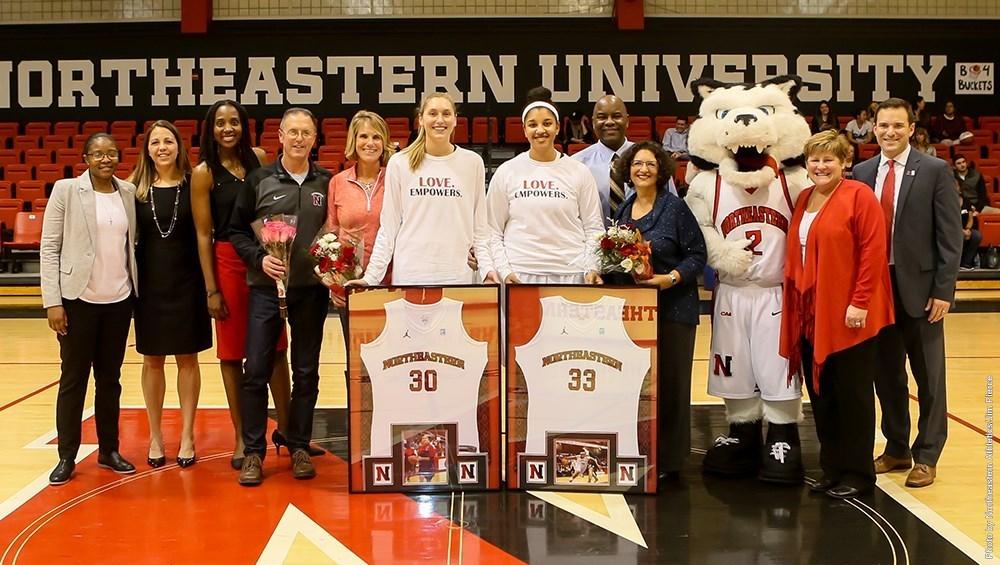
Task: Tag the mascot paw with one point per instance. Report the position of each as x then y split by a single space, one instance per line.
733 258
735 455
781 456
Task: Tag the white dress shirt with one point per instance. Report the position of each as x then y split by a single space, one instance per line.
899 165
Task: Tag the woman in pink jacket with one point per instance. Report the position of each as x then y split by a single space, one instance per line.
354 199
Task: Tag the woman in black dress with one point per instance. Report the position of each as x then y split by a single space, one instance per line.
171 317
678 256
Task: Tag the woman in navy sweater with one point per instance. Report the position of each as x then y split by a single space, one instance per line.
678 256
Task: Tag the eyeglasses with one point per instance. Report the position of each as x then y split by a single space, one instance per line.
296 134
101 155
647 164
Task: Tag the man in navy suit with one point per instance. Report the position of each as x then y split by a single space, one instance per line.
923 221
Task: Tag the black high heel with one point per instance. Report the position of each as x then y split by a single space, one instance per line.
185 462
279 440
156 462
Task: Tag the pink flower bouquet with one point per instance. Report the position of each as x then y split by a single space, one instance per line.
276 233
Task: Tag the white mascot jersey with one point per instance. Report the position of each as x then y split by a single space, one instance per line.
424 369
583 372
761 216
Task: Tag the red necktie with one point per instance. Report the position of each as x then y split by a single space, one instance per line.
888 195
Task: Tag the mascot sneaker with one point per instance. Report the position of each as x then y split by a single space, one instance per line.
735 455
781 456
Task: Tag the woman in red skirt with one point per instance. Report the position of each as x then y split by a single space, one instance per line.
227 157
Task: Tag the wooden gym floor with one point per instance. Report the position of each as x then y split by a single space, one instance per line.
200 515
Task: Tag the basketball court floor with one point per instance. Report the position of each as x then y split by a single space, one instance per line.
201 515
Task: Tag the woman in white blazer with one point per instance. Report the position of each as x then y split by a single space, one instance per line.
88 282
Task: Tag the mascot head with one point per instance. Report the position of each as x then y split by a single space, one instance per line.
748 131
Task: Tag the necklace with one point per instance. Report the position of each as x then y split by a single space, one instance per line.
173 220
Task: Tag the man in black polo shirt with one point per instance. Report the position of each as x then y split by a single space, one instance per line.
291 185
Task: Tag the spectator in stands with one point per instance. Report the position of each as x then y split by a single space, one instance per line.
872 106
923 115
859 130
291 185
837 297
973 186
950 126
578 130
88 278
675 140
415 130
825 118
922 142
849 161
227 157
543 235
354 198
970 230
171 314
678 257
434 208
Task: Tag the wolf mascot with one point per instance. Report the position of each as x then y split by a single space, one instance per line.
747 146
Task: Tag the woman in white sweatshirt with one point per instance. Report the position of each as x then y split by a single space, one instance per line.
434 209
543 210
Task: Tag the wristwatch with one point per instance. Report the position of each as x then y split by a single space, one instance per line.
673 278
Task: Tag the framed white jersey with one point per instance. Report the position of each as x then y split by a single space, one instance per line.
581 387
423 373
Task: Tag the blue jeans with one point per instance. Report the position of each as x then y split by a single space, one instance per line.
307 310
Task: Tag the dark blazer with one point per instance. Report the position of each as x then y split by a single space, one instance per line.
927 229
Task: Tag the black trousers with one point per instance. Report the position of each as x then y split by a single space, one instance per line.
970 247
923 343
95 340
307 309
673 395
844 411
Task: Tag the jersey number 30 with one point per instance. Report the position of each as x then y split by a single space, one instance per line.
424 380
585 380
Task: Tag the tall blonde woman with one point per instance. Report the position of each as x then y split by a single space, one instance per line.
354 199
171 317
543 210
434 208
88 278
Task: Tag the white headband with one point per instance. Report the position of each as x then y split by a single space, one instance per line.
539 104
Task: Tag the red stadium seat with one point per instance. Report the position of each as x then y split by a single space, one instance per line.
37 156
124 140
270 153
23 142
332 166
867 150
123 127
6 189
9 209
513 131
80 141
989 226
844 120
679 172
68 157
66 128
982 137
38 204
988 162
9 157
29 190
271 125
54 142
27 232
97 126
140 141
18 173
401 141
663 123
640 128
398 127
124 170
269 140
485 130
576 147
331 153
461 134
194 155
8 130
986 121
37 128
50 173
79 169
333 124
130 155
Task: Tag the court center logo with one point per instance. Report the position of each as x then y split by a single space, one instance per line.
975 78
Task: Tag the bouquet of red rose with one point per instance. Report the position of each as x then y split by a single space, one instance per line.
276 233
338 260
621 249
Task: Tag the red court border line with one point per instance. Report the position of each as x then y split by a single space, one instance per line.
972 427
29 395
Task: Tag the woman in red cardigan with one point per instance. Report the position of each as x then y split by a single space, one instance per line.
836 299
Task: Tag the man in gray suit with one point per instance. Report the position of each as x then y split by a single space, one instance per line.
923 221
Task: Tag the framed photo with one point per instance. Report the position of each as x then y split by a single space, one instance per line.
581 388
424 388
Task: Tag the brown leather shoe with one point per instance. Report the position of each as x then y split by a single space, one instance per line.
885 463
302 465
922 475
251 474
